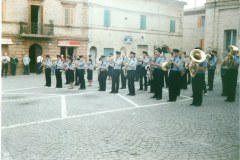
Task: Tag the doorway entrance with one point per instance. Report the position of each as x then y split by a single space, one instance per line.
34 51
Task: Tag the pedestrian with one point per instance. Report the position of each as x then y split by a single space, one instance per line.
131 69
13 62
175 76
90 68
212 63
39 64
5 60
143 73
116 72
58 72
48 64
103 73
26 61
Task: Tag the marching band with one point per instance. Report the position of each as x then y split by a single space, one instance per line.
151 71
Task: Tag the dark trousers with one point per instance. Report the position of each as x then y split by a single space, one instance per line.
205 86
224 84
123 79
26 69
184 81
115 80
131 86
166 78
231 85
48 76
39 68
13 69
58 74
138 72
102 80
143 75
76 77
158 82
174 85
4 69
67 76
81 73
211 73
189 78
198 87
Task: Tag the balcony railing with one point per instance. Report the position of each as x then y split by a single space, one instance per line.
37 28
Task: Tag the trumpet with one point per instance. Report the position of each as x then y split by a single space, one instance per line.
125 69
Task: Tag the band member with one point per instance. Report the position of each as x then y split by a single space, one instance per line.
110 67
175 76
76 72
26 61
224 80
70 67
165 73
67 70
13 62
123 77
143 74
185 71
138 70
5 61
39 64
232 62
212 63
48 64
151 62
103 73
116 72
198 81
58 72
81 72
158 75
131 69
90 68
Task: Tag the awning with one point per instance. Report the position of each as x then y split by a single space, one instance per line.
69 43
6 41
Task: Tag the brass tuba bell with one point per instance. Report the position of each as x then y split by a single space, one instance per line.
197 57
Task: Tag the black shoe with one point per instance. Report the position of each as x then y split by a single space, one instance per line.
154 96
192 104
128 94
140 89
132 95
99 90
223 94
111 92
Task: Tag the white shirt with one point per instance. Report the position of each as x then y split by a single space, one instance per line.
39 59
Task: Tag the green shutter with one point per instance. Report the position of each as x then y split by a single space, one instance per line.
143 22
107 18
172 26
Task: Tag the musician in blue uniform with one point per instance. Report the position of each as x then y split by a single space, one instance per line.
103 73
123 77
158 75
232 64
58 72
81 72
175 76
143 73
70 68
212 63
116 72
131 67
48 64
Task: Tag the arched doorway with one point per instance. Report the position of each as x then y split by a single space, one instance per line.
93 53
123 51
34 51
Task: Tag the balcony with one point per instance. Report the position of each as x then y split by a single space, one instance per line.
37 30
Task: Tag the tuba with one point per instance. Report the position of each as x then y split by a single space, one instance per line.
230 57
197 57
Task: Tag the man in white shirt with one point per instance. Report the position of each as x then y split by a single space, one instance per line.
39 64
5 61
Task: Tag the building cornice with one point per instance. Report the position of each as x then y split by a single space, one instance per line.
221 4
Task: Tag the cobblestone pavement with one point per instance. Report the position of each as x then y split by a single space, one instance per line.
41 123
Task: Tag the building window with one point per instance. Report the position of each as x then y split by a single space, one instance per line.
143 22
201 43
69 16
230 38
201 21
107 18
172 26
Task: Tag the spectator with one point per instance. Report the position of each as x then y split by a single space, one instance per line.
13 62
26 61
5 61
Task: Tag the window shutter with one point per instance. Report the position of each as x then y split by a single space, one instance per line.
66 16
107 18
172 26
143 22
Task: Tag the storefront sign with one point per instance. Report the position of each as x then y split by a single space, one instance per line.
6 41
68 43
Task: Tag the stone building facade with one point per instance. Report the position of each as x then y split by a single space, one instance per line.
134 25
44 27
214 26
